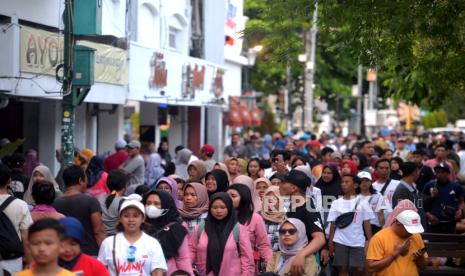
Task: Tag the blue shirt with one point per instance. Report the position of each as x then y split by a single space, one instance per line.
448 196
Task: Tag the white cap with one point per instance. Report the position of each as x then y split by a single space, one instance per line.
120 144
411 221
132 203
364 174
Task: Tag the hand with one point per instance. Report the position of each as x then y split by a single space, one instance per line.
458 215
402 248
434 192
432 219
419 253
297 267
331 248
324 256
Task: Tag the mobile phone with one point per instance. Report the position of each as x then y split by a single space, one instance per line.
423 250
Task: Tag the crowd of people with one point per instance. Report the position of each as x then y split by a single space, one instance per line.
281 204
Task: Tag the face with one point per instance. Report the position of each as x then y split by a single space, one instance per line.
164 146
45 246
298 162
261 188
210 183
440 152
272 201
345 169
131 219
355 159
190 197
394 165
276 181
442 175
235 196
70 249
235 139
164 186
418 159
133 152
327 175
383 169
193 173
232 166
285 235
365 185
219 209
348 185
154 200
253 168
286 189
401 231
368 149
37 176
388 154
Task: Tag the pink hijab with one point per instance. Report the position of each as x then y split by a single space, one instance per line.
401 206
174 189
247 181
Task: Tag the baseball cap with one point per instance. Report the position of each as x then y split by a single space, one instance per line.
132 203
411 221
442 166
208 149
299 179
73 228
86 153
120 144
315 143
134 144
17 159
364 175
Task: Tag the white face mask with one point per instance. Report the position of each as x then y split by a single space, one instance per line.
153 212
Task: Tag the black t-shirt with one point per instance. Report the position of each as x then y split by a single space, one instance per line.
425 176
311 219
81 206
19 183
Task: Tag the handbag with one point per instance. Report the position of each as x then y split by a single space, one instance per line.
344 220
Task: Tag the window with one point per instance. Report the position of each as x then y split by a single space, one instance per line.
177 34
172 37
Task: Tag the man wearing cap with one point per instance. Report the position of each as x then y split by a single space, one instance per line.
443 201
314 157
134 167
426 174
295 187
399 248
440 155
116 159
71 257
206 154
19 181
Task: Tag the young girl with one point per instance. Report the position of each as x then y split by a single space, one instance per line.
374 199
117 183
261 184
347 244
195 205
216 181
43 194
170 186
272 216
40 173
292 239
216 247
196 171
254 170
132 251
166 226
242 203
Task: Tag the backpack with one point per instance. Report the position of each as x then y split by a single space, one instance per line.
235 235
11 246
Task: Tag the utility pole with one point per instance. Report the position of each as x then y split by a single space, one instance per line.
310 48
289 96
359 99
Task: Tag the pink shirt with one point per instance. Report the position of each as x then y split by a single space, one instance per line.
183 260
259 237
232 264
433 162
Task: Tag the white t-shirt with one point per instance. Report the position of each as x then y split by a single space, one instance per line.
352 235
148 256
388 193
377 203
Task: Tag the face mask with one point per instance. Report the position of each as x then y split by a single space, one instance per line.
153 212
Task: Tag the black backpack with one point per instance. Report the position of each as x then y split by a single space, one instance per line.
11 246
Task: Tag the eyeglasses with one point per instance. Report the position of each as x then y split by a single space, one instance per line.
132 253
289 231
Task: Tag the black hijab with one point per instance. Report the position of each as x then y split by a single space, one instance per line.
363 161
170 236
218 232
332 188
94 170
222 181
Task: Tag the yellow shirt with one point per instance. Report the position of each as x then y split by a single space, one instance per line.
28 272
382 245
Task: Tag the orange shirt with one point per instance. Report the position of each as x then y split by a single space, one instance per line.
28 272
382 245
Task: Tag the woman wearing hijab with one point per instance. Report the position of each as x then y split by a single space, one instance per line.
154 170
166 226
214 249
223 167
196 171
396 164
247 181
31 163
96 178
195 205
272 215
163 151
349 167
330 186
242 203
261 184
292 239
41 172
403 205
216 181
170 186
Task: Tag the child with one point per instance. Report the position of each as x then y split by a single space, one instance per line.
375 200
347 243
44 243
71 257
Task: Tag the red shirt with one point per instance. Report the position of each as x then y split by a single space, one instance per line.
88 266
115 160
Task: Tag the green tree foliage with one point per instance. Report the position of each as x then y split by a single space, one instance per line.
434 119
418 45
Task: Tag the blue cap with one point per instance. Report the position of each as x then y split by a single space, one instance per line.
73 228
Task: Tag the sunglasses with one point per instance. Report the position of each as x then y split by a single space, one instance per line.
131 253
289 231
